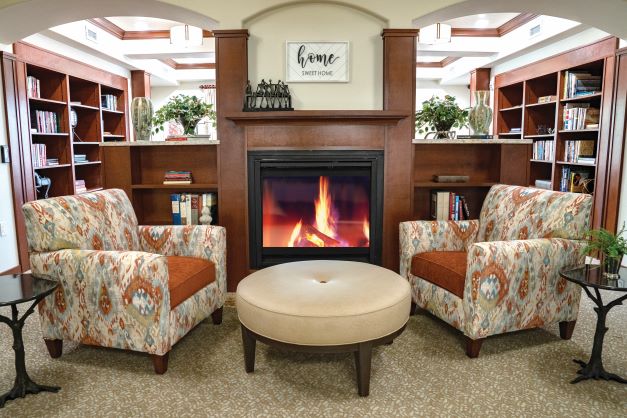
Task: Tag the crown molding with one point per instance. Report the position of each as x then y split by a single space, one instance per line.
502 30
196 66
439 64
135 35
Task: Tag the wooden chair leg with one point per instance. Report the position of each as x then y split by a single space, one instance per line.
216 316
566 329
363 360
160 362
412 309
55 347
250 344
473 347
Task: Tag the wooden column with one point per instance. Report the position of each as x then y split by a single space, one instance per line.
231 77
399 93
140 83
479 80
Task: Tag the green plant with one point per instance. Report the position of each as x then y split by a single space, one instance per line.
603 241
440 115
186 110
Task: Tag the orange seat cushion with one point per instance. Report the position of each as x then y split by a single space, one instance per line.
445 269
187 275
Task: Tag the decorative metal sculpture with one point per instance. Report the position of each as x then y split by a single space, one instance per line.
267 97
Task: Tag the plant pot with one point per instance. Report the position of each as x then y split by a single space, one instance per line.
480 116
611 266
141 115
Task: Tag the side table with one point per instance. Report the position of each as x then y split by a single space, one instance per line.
14 289
590 277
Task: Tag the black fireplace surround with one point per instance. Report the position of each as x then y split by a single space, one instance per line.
306 205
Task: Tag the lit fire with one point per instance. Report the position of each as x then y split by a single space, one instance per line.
324 232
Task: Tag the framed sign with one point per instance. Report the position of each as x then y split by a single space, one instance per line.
316 62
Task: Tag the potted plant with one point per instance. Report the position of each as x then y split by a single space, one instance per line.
440 116
611 247
184 109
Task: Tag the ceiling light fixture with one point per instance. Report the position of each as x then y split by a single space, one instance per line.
186 35
439 33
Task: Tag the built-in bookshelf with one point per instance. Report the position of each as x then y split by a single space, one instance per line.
139 168
68 118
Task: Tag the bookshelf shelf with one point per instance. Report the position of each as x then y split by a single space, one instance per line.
93 189
49 134
80 107
435 185
113 136
86 143
193 186
509 109
575 164
88 163
543 136
47 102
588 97
50 167
577 131
545 104
541 161
509 134
113 112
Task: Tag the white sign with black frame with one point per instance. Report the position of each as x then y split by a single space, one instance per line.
317 62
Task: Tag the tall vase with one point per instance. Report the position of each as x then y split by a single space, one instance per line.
141 114
480 116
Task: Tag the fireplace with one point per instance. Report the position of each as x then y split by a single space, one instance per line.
307 205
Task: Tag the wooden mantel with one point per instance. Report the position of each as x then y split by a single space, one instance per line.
379 117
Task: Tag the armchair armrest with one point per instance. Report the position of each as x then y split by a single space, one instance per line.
423 236
513 285
201 241
110 298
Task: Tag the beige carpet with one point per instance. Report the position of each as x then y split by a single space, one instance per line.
424 373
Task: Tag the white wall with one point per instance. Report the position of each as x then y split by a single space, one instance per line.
320 22
425 89
8 242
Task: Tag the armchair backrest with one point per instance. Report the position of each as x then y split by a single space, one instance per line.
514 212
102 220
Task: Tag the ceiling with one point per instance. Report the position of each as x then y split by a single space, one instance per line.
132 23
481 21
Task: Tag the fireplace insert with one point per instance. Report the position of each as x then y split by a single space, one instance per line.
306 205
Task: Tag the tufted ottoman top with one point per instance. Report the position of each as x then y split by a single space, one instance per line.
323 302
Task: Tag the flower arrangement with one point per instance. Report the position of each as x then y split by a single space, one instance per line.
184 109
440 115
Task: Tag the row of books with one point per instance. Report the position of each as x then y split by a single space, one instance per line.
187 207
543 150
448 206
109 102
33 87
580 83
40 158
177 177
580 116
576 180
80 186
45 121
582 151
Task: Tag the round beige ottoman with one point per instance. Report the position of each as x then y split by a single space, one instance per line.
323 306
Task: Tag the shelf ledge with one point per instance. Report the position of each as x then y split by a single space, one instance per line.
494 141
160 143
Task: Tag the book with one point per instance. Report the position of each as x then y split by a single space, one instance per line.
580 151
440 205
109 102
176 208
183 208
33 87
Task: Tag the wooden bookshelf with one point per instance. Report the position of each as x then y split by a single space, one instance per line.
545 121
72 91
139 168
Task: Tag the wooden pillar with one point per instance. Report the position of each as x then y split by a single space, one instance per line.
140 83
231 77
479 80
399 93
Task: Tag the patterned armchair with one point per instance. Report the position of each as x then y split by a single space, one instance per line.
499 273
125 286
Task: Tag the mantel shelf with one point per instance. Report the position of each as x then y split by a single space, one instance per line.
381 117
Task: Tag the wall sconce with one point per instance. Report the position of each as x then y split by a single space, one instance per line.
186 35
439 33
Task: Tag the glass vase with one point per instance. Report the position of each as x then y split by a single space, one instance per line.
141 115
480 116
611 266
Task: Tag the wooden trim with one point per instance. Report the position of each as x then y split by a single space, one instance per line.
502 30
14 270
601 49
126 35
40 57
197 66
439 64
140 83
515 23
382 117
107 26
231 33
399 32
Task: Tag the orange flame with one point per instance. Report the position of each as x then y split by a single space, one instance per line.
295 233
366 229
325 222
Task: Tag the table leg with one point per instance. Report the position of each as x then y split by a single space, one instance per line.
250 343
593 369
23 384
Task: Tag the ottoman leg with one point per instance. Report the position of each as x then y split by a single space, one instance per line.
363 358
249 343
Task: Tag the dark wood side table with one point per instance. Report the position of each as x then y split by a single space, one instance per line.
14 289
591 278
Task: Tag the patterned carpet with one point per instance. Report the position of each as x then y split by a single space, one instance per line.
424 373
